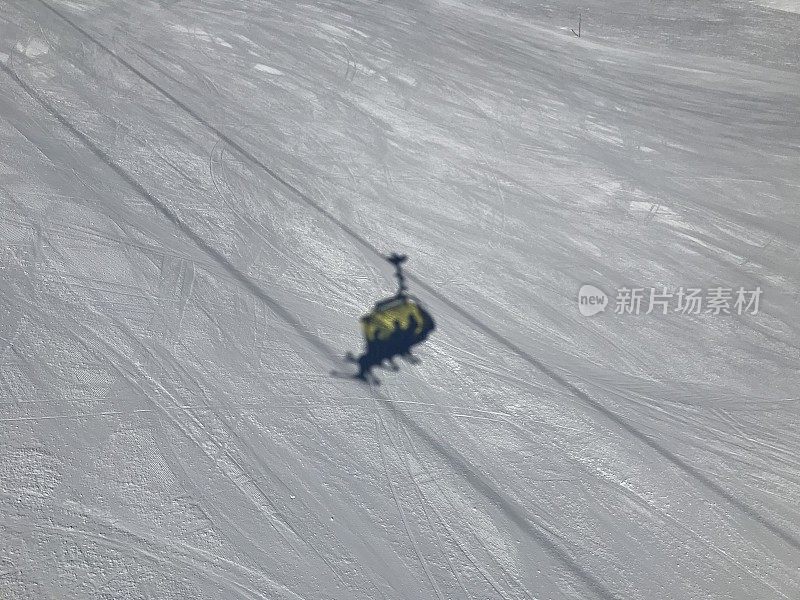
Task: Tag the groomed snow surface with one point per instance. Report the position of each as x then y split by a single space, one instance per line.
191 196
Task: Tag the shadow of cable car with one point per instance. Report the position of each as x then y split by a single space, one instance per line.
392 328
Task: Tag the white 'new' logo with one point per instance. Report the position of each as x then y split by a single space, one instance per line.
591 300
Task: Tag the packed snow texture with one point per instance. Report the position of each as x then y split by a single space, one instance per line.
787 5
191 193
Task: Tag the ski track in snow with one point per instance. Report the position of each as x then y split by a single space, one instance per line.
171 304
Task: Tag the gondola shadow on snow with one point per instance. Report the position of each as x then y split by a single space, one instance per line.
391 329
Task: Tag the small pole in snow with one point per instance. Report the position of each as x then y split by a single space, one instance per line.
578 33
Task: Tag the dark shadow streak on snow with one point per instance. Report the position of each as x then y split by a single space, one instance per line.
664 452
218 132
509 507
172 217
479 482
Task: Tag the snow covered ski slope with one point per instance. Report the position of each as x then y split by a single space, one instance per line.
196 199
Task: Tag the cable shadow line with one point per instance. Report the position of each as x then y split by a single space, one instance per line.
219 133
171 216
661 450
509 507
